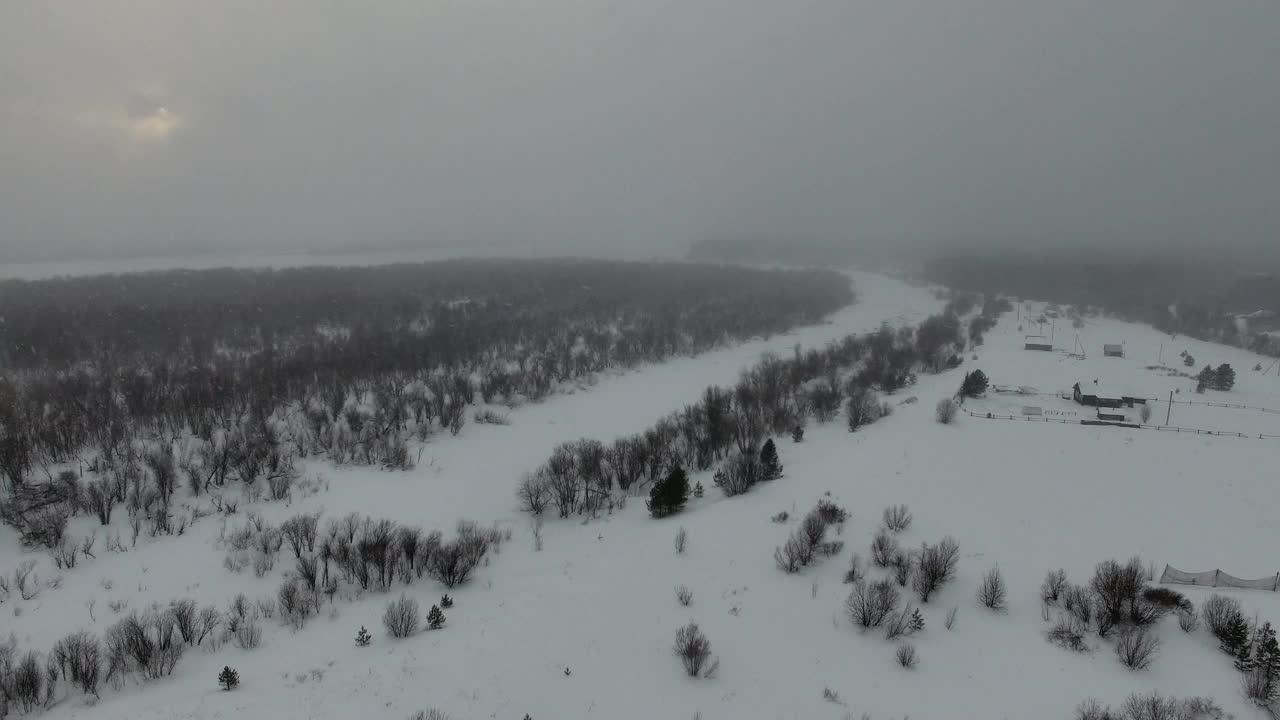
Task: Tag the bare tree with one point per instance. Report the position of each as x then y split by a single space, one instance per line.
897 518
992 592
936 567
1136 648
401 617
870 605
693 648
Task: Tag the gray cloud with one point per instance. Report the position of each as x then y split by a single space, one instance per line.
146 126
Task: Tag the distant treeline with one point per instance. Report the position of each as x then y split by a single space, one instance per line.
231 373
1201 301
785 251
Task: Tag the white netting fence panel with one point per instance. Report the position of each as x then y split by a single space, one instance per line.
1217 578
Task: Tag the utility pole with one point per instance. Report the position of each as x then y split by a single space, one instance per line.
1161 358
1170 410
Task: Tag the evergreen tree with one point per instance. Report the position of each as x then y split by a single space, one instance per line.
363 637
435 618
1205 379
229 679
1266 660
974 384
446 602
1235 642
797 434
1224 378
770 467
697 490
669 494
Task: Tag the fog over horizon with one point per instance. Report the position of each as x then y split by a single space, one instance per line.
631 129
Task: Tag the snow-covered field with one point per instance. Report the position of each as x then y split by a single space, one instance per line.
597 601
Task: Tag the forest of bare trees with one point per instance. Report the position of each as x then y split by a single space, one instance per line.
118 390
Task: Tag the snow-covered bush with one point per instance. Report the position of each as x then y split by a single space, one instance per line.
945 412
869 605
401 617
1137 647
906 656
883 548
992 593
1055 582
693 648
897 518
935 567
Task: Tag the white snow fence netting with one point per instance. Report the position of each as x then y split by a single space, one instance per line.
1217 578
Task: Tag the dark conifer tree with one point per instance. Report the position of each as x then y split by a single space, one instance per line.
770 467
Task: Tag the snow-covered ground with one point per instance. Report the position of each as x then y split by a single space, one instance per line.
598 599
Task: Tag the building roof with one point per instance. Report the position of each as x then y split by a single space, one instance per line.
1104 390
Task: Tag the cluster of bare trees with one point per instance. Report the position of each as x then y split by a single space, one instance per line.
354 551
727 427
200 379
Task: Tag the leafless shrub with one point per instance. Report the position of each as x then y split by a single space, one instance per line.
490 417
1055 583
453 562
430 714
28 585
883 547
65 554
534 493
935 567
831 696
905 622
300 532
781 517
681 541
99 497
831 548
1067 632
401 617
1137 648
1219 612
147 644
1117 588
1153 706
897 518
870 605
991 591
1188 620
902 565
24 682
951 618
184 617
693 648
831 513
207 622
1079 601
814 528
248 634
79 657
906 656
796 553
945 411
854 573
684 595
1092 709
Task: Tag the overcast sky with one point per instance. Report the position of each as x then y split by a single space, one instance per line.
634 127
